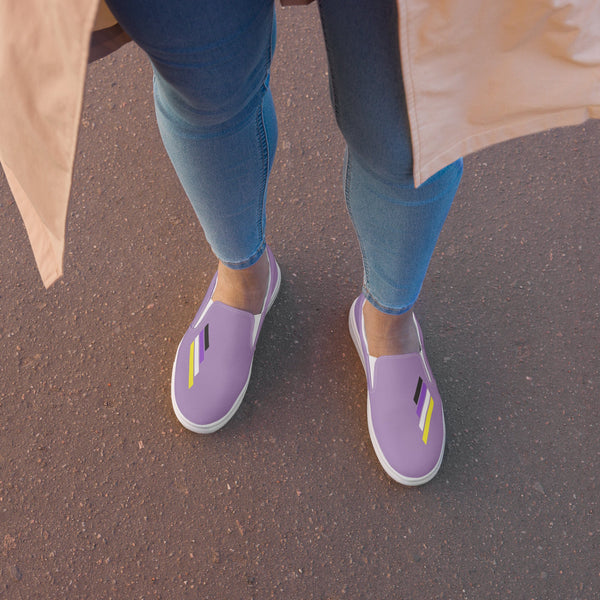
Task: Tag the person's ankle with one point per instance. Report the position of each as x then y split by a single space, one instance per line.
389 335
244 289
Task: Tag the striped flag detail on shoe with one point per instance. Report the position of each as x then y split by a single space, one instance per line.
424 402
198 347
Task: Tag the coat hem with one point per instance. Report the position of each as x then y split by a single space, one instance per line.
501 134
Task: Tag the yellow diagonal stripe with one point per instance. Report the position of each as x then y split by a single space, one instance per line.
191 371
427 421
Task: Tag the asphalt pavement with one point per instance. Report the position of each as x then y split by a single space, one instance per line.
103 495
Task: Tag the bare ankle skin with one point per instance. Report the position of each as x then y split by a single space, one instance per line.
389 334
243 288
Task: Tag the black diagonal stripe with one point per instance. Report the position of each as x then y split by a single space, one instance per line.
418 392
206 337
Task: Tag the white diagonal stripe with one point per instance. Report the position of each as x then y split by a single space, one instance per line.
424 411
196 355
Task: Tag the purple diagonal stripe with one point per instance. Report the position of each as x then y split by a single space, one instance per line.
421 400
200 352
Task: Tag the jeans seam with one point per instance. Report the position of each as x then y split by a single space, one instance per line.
264 145
264 150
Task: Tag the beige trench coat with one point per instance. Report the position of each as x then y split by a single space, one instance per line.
476 73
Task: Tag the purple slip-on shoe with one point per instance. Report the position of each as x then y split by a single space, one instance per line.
213 363
404 408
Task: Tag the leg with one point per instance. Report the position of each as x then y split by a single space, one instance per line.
216 117
397 224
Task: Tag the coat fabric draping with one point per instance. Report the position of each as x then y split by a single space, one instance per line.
475 74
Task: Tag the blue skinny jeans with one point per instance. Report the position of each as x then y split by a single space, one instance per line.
211 62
